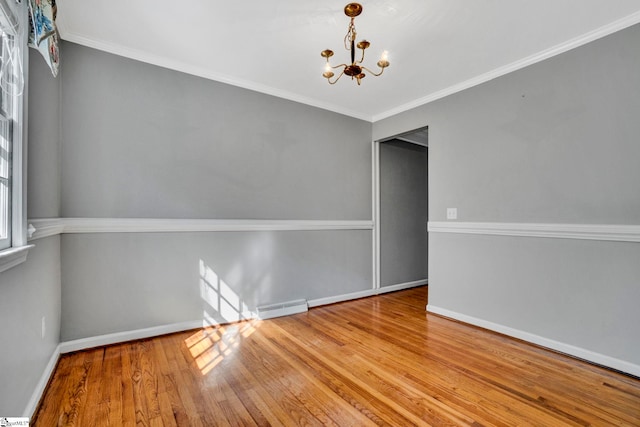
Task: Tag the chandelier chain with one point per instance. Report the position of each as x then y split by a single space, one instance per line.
351 35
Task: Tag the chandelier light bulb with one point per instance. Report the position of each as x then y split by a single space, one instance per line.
384 60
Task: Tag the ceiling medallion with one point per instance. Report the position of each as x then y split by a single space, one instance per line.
355 70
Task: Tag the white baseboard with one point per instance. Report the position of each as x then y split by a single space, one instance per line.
42 384
341 298
581 353
363 294
402 286
119 337
92 342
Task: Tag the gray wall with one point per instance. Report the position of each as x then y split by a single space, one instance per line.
578 292
142 141
403 212
556 142
32 290
123 282
43 181
27 293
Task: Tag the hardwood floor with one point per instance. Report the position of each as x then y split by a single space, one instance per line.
376 361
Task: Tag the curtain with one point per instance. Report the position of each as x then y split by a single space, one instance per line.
43 34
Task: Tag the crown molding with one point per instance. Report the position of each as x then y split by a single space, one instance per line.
166 62
172 64
607 232
596 34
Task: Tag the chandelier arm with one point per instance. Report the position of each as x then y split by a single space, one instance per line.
337 78
372 73
361 59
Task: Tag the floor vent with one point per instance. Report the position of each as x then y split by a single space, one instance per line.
282 309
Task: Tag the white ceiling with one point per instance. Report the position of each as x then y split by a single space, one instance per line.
436 47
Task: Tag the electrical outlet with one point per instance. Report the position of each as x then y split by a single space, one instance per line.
452 213
44 327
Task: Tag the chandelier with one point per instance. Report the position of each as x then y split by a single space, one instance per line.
355 70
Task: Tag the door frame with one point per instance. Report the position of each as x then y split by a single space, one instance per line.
376 207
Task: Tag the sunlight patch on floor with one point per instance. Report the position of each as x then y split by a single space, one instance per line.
210 346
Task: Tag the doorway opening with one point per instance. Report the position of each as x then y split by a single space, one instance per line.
401 210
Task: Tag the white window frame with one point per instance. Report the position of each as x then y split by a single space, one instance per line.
14 21
6 137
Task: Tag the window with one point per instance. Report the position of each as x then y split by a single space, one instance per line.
5 169
13 241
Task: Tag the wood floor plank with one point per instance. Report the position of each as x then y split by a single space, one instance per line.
128 402
79 390
275 377
111 402
294 377
167 405
376 361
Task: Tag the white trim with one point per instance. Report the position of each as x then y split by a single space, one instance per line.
52 226
402 286
571 350
363 294
13 256
607 232
18 250
596 34
144 225
19 149
375 189
341 298
120 337
46 227
376 214
32 405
